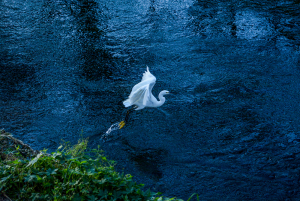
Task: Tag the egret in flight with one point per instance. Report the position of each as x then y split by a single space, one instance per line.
141 95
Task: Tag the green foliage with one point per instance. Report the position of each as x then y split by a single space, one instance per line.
193 196
70 173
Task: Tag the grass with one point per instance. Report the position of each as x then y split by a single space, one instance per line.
70 173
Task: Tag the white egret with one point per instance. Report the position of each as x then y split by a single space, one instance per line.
141 95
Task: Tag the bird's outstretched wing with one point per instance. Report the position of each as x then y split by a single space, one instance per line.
141 94
141 98
148 79
148 76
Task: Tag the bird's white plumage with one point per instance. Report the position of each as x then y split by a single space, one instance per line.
141 93
147 79
147 76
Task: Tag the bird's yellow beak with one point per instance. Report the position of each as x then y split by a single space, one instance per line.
121 124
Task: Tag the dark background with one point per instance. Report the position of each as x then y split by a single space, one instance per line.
230 131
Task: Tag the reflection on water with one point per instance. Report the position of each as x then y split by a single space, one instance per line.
231 128
250 26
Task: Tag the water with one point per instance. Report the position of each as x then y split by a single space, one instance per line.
230 131
113 127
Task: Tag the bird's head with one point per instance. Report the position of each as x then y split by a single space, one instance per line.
165 92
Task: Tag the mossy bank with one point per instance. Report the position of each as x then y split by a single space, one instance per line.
70 173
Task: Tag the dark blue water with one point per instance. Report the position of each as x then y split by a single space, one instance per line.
231 129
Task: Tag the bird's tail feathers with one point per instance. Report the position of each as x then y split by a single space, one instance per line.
127 103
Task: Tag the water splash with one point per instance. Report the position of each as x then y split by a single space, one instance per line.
115 126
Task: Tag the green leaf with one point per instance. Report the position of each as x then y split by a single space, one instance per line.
84 191
51 171
102 181
70 190
39 178
192 196
16 162
30 178
77 197
56 154
33 161
33 196
42 173
92 198
46 184
5 178
91 171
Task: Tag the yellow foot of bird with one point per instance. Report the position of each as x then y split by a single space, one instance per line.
121 124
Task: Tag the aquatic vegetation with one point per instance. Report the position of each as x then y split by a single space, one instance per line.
70 173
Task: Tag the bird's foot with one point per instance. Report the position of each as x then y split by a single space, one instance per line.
121 124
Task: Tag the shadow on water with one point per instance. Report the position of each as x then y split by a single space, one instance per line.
15 70
97 61
90 19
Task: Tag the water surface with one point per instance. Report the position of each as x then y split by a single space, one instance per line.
230 131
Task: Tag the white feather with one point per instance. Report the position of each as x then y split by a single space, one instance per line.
141 93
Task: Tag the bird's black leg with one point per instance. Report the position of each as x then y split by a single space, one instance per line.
122 123
128 112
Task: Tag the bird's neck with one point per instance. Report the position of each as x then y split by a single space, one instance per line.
161 99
